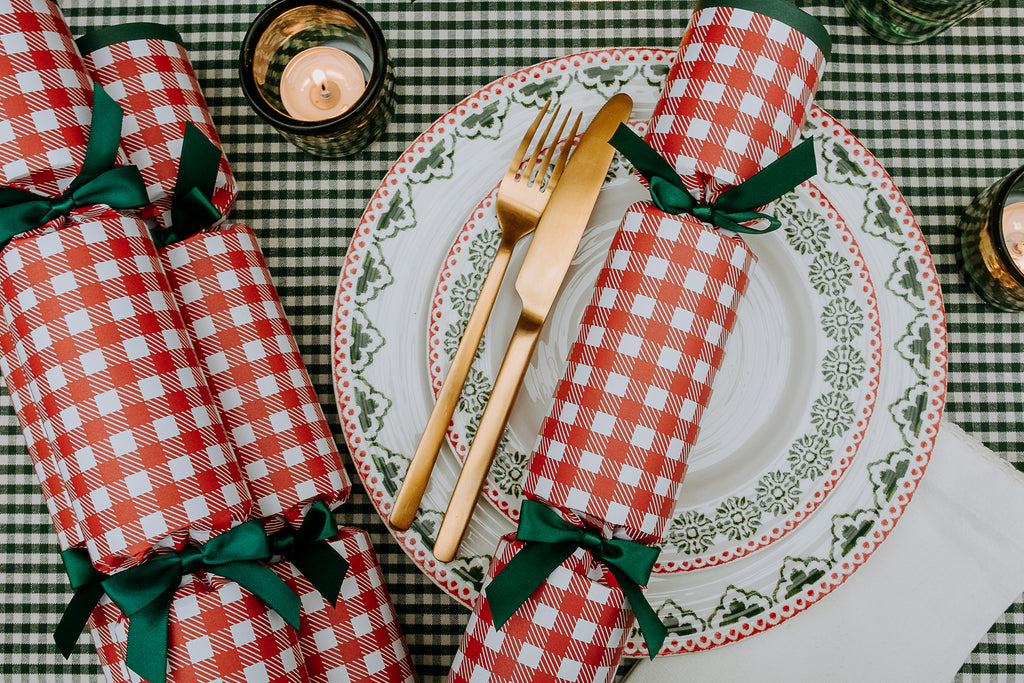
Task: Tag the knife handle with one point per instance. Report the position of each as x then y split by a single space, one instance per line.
488 435
407 502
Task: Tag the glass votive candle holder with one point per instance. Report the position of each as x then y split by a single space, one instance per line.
992 242
319 73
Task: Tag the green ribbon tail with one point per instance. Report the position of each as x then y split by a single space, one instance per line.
646 618
147 638
104 137
262 582
772 181
75 616
324 567
191 210
523 575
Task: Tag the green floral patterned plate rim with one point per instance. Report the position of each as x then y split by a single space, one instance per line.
384 312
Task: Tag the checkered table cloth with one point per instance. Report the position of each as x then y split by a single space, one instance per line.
943 118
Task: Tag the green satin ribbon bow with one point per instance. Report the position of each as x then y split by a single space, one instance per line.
144 592
307 548
99 181
733 207
191 209
550 540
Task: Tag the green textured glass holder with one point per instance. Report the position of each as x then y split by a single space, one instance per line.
990 270
910 21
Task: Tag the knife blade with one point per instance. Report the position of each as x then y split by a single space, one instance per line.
547 261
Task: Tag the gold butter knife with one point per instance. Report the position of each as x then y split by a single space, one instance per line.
540 277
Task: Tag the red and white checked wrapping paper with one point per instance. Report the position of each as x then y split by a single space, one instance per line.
45 99
221 633
145 69
266 400
627 410
571 630
133 430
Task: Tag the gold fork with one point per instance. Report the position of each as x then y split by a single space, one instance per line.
522 196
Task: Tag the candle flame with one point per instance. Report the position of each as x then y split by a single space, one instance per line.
320 78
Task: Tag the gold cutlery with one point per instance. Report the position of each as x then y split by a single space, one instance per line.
540 277
519 204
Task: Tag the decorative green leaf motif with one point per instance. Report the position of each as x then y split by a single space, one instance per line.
509 470
738 604
366 340
842 320
832 414
887 474
840 167
390 465
879 220
909 413
607 80
679 621
848 530
485 122
691 532
830 274
804 229
536 93
809 456
905 280
453 336
778 492
915 345
436 164
374 276
372 406
475 393
737 517
471 569
797 574
426 523
843 367
655 74
398 215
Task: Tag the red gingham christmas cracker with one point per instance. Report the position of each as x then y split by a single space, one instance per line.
136 437
360 640
218 633
627 410
247 351
145 68
572 629
45 99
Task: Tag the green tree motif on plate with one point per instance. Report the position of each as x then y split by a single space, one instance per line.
374 275
485 122
426 523
886 475
842 320
832 414
778 492
372 405
679 621
738 604
880 221
737 517
606 79
798 573
809 456
436 164
398 216
915 345
536 93
390 465
830 274
366 340
840 166
655 74
905 280
843 367
691 532
471 569
909 412
849 529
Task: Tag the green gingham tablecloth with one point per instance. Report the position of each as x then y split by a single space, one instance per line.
946 118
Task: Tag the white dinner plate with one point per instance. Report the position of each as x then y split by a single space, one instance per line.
824 411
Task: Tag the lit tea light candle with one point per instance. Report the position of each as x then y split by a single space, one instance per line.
321 83
1013 233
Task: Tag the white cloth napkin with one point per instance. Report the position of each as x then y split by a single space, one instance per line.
917 607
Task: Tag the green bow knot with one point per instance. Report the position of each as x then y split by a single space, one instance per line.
191 209
550 540
99 181
309 551
733 207
144 593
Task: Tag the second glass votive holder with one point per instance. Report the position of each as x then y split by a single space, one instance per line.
319 73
